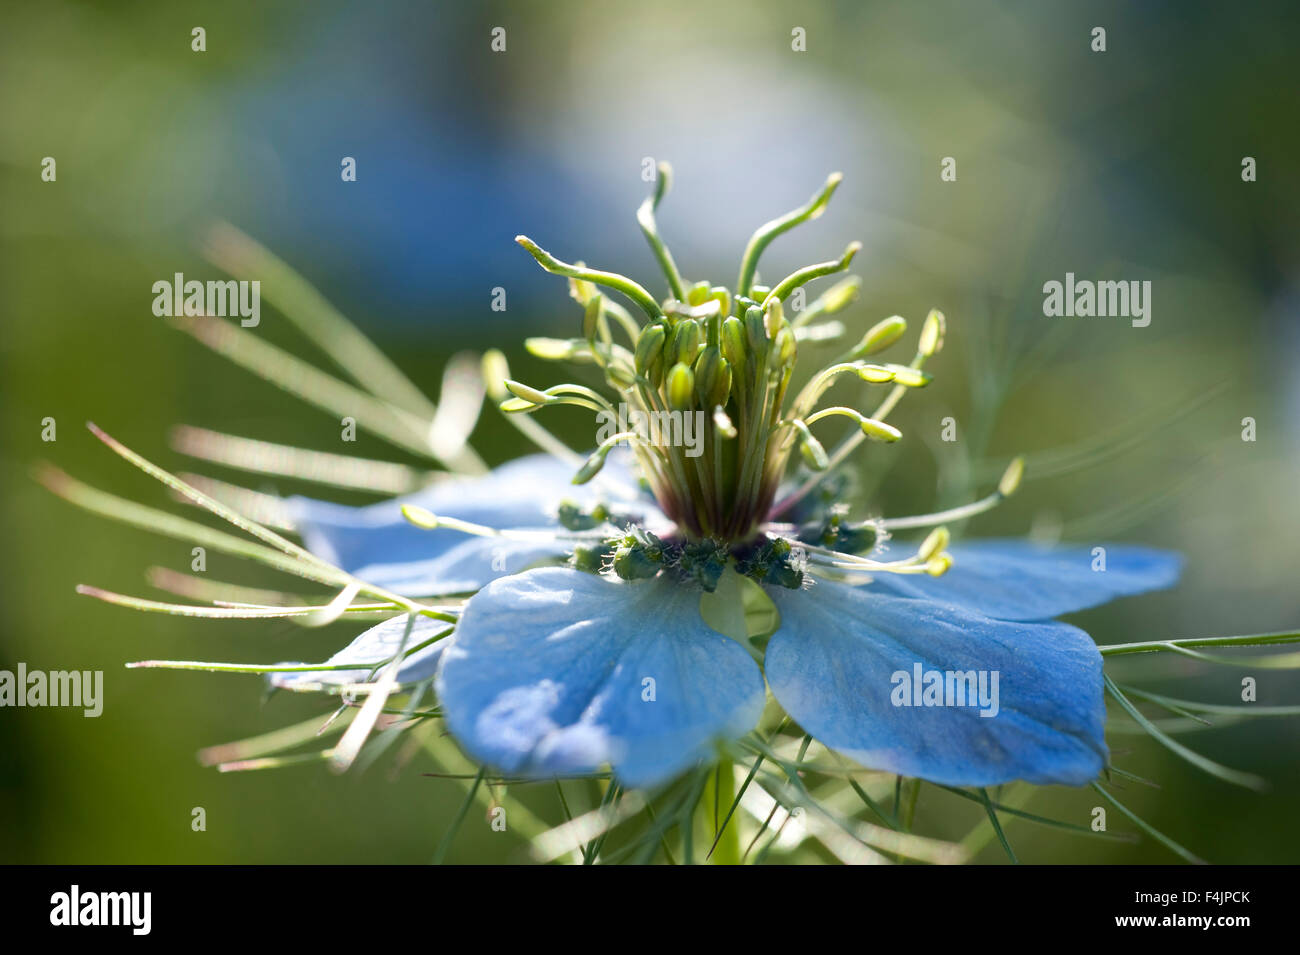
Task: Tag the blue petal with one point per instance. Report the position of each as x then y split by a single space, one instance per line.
372 647
548 673
1018 580
379 545
832 665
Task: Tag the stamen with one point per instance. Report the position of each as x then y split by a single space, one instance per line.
871 427
495 373
932 339
619 283
809 272
426 520
646 217
765 233
1006 487
879 337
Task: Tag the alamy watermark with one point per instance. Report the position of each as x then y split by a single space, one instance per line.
190 299
661 429
75 907
78 688
1088 299
921 687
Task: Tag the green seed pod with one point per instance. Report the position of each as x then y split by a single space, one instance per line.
681 387
685 345
733 343
721 390
650 346
698 293
755 333
706 373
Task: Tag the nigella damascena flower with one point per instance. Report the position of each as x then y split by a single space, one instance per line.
614 597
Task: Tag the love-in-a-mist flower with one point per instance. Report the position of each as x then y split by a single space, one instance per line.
632 608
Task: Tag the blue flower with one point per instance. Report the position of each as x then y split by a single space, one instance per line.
548 668
585 640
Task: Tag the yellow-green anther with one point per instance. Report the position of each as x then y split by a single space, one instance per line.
765 233
880 336
909 377
650 346
591 467
557 349
1012 477
931 334
420 517
687 338
879 430
812 450
875 374
527 392
517 405
838 296
495 372
939 565
722 421
935 541
785 346
620 283
681 387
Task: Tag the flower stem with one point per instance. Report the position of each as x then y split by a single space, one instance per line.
719 794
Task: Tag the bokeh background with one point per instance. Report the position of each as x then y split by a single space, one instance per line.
1122 164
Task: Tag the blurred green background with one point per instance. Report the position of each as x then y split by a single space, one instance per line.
1123 164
